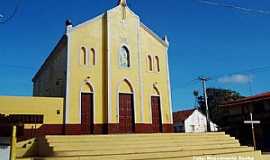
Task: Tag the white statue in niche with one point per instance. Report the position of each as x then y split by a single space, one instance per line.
124 57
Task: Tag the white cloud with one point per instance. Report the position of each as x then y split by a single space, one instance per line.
236 78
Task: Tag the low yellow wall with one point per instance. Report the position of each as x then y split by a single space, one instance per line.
34 105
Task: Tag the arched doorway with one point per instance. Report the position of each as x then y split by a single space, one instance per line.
156 111
126 107
87 109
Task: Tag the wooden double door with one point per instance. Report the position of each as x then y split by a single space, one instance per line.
156 114
126 113
87 114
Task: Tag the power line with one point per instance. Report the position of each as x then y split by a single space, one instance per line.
5 20
233 6
216 77
191 82
17 67
248 71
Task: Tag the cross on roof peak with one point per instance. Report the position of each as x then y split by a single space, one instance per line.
122 2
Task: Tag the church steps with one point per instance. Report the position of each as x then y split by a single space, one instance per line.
134 136
80 139
89 143
75 140
139 142
160 155
139 147
61 148
86 147
143 150
255 154
186 146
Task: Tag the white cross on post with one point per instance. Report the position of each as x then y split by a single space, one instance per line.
252 122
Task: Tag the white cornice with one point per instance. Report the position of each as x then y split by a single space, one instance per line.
134 14
87 22
93 19
110 10
154 35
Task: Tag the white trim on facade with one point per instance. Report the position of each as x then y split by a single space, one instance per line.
154 34
109 65
169 85
88 22
141 82
132 12
67 105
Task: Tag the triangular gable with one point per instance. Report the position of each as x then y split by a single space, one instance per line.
153 34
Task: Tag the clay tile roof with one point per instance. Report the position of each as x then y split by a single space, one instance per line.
256 98
181 116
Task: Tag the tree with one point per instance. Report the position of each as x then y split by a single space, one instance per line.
217 97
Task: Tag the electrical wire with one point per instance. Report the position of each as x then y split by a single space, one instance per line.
189 83
5 20
215 78
18 67
249 71
235 7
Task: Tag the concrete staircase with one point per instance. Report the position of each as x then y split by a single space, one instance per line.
139 147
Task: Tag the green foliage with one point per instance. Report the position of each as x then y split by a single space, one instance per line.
217 97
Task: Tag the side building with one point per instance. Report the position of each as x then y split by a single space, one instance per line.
236 112
50 80
191 121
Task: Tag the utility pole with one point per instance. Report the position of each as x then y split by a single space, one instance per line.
204 80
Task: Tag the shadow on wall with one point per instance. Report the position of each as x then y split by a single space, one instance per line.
34 147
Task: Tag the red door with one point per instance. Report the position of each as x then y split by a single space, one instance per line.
87 113
126 113
156 114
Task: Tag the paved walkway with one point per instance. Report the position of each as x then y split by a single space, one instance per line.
4 153
266 156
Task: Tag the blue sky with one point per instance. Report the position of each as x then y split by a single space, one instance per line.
204 40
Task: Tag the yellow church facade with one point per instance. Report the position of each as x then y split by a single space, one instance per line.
112 74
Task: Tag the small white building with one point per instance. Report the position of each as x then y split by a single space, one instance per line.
190 121
4 148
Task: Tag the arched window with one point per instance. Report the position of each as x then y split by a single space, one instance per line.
157 63
150 65
124 57
93 57
83 56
